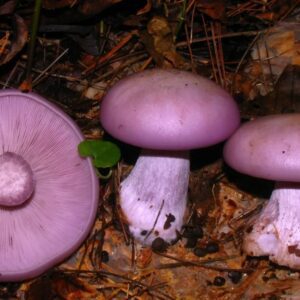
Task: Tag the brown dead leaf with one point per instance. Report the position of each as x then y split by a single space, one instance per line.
282 7
146 8
233 206
87 7
277 48
26 85
159 42
8 7
213 8
39 289
144 257
17 40
273 52
74 10
71 288
243 85
268 16
93 7
286 95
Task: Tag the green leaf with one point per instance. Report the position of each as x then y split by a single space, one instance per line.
104 154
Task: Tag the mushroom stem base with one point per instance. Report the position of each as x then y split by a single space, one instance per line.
153 196
276 231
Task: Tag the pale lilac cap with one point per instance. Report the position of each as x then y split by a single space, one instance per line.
50 200
169 110
268 147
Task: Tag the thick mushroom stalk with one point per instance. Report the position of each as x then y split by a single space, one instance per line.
16 179
153 196
276 231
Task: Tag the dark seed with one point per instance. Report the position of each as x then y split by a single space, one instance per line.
193 232
212 247
104 256
200 252
219 281
235 276
265 278
188 232
191 243
159 245
198 232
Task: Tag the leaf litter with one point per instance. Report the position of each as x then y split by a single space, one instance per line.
248 47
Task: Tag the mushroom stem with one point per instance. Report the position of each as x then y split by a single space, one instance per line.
154 195
16 179
276 232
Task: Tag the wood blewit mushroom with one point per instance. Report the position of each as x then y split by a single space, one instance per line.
268 148
48 193
167 113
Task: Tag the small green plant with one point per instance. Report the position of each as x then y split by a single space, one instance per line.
104 154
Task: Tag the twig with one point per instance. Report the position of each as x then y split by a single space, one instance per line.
36 80
203 264
111 53
11 74
119 276
222 36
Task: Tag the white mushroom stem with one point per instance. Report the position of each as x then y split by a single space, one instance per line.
276 233
154 195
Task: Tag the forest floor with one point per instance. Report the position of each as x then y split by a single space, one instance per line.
250 48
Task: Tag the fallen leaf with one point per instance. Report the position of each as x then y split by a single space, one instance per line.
159 42
8 7
73 11
17 40
93 7
214 9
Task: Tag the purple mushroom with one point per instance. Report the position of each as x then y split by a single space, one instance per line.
167 113
48 193
269 148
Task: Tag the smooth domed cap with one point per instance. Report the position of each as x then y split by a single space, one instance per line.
59 214
169 110
268 147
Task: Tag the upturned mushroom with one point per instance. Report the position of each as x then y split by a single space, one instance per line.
167 113
268 148
48 193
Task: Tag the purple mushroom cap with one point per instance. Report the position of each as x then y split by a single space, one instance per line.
267 148
52 192
169 110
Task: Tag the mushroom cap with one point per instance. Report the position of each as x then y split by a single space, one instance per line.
58 216
268 147
169 110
